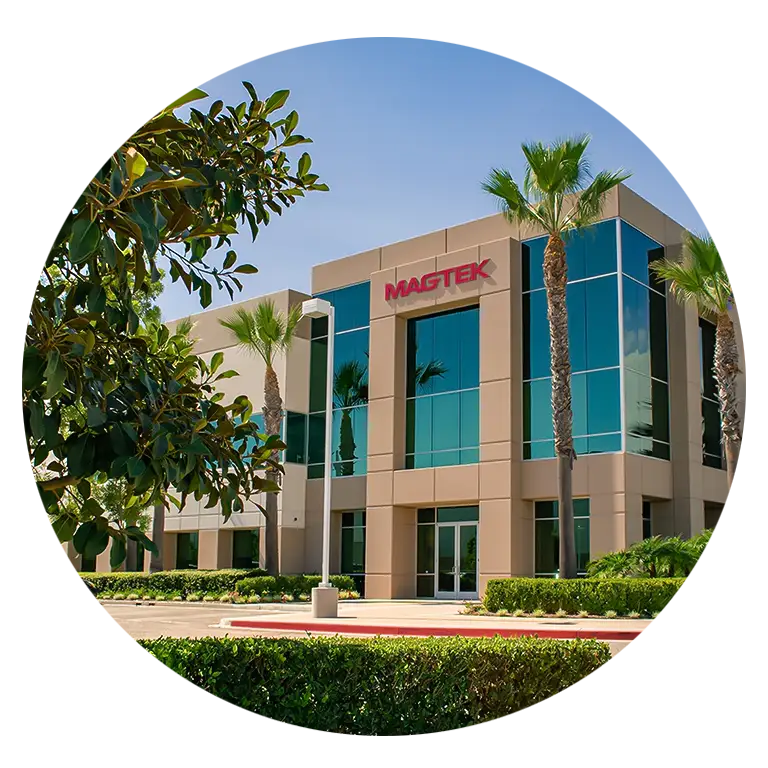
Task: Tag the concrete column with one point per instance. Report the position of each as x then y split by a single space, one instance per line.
169 551
495 537
686 517
208 550
224 545
102 561
390 552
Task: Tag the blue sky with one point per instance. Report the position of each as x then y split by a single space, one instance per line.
404 131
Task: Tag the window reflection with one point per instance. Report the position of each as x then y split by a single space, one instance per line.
637 252
596 403
711 431
547 548
589 253
645 347
443 375
353 307
350 383
593 330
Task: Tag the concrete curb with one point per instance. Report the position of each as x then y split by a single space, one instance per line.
417 631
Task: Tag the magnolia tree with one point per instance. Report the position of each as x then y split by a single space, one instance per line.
107 397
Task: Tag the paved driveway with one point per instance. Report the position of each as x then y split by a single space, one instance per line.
169 620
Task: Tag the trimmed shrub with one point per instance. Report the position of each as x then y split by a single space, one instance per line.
381 686
177 582
595 596
289 585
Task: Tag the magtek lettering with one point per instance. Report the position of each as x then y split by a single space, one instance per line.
466 273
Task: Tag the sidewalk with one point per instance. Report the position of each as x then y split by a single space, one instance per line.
431 619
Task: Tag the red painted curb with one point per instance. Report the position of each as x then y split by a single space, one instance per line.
372 629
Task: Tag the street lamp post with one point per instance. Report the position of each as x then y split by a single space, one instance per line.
325 598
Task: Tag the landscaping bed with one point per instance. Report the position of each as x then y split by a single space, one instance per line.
602 598
381 686
473 609
227 597
225 586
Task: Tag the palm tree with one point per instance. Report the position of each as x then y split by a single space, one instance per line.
553 173
183 331
612 565
350 388
699 279
266 332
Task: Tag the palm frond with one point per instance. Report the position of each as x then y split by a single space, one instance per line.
589 205
511 201
184 326
350 384
698 277
263 330
559 169
554 171
425 372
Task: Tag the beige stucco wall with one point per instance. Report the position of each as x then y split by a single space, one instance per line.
502 484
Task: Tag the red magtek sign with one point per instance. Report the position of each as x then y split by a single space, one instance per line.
466 273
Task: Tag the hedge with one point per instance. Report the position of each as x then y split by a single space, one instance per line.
289 585
378 686
596 596
181 582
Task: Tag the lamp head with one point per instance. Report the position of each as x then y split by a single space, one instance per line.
316 308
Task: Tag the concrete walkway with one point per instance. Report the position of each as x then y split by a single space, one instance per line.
430 618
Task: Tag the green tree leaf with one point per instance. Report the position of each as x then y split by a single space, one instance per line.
83 240
246 269
117 552
216 361
55 374
64 527
275 101
194 95
304 164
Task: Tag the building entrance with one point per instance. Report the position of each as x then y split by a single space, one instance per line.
456 561
446 553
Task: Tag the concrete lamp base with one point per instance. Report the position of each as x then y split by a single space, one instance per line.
325 603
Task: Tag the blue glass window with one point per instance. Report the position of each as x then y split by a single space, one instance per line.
443 378
646 368
711 428
593 329
593 337
352 305
350 383
637 252
589 253
547 544
596 403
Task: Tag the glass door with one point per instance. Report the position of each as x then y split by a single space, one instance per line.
456 561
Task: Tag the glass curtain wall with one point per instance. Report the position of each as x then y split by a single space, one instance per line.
350 384
547 544
245 548
593 329
353 547
645 346
442 389
712 446
186 550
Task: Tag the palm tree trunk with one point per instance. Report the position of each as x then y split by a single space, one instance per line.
555 281
273 418
271 547
726 370
158 531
